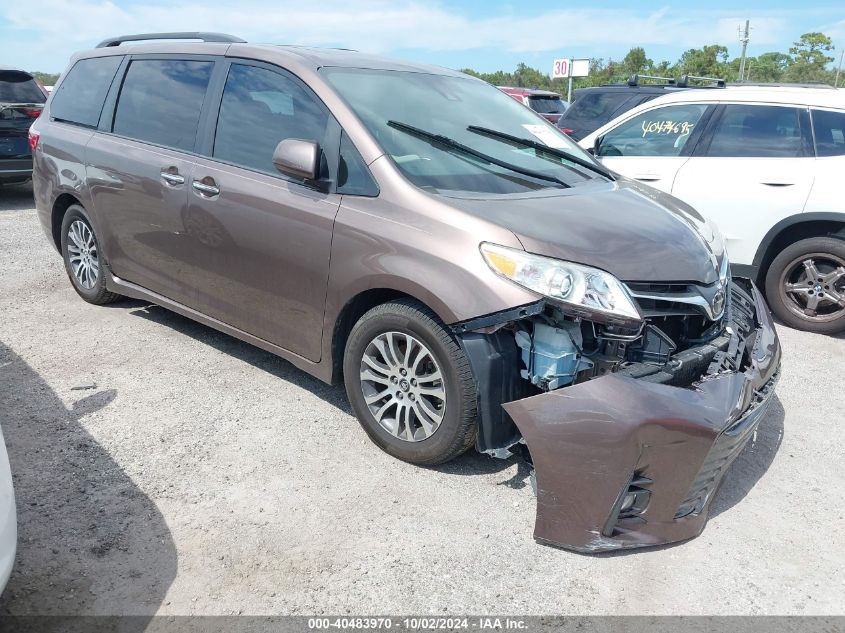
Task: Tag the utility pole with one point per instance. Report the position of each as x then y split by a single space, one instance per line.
743 38
839 70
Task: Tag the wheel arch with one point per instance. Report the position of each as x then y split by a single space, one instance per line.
793 229
356 307
57 215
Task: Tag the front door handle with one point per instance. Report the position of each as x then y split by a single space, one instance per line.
777 184
172 179
647 177
206 189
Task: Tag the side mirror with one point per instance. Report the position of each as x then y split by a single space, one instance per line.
597 146
298 158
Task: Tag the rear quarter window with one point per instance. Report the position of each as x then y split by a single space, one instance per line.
80 96
829 127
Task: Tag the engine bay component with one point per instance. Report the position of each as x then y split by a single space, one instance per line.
552 354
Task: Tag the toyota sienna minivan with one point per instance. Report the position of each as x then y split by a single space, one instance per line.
472 276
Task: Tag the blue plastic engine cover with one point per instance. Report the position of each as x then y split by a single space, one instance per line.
552 356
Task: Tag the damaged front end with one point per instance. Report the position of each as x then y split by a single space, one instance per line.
630 427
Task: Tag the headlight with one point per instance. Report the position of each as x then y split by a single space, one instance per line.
578 286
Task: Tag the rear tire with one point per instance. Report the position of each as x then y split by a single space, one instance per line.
804 283
84 263
410 357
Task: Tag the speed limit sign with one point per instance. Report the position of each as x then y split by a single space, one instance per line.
563 68
560 68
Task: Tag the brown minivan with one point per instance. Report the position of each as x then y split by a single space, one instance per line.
472 276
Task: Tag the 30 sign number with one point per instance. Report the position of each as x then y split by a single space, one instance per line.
560 68
563 68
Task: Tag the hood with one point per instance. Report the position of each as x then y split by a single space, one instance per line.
634 232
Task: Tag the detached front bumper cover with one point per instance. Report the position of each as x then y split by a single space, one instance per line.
595 442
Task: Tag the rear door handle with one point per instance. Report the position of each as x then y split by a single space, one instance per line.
647 177
207 190
777 184
172 179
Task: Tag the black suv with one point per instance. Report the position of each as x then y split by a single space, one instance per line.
593 107
21 102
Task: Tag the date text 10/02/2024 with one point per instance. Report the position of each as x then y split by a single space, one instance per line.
418 624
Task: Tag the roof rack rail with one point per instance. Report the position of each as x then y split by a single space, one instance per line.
684 81
634 80
780 84
185 35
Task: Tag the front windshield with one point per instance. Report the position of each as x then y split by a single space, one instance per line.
447 106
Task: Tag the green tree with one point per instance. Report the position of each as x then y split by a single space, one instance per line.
527 77
636 61
48 79
768 67
709 61
807 61
811 48
810 59
665 69
522 77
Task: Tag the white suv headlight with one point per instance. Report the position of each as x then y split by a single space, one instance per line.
581 287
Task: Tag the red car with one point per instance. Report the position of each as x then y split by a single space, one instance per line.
545 103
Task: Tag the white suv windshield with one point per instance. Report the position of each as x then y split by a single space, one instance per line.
393 104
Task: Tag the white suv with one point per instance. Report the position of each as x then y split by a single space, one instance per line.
765 164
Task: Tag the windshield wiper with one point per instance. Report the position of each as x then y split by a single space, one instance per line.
542 147
452 144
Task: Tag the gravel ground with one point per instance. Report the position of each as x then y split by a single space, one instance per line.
162 467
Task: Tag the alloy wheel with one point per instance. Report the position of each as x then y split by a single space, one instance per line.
403 386
82 254
814 286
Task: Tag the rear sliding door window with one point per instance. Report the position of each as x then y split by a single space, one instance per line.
261 107
757 131
161 100
659 132
80 96
830 132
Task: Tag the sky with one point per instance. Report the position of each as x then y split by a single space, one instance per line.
485 35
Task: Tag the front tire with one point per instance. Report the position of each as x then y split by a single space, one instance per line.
83 260
805 285
410 384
